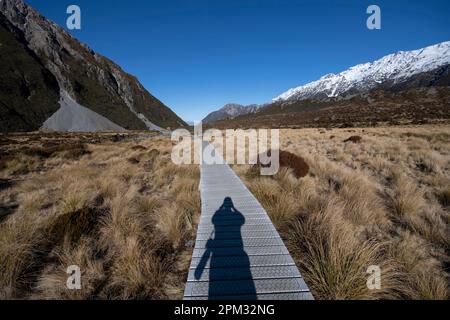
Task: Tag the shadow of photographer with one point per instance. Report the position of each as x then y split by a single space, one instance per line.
217 275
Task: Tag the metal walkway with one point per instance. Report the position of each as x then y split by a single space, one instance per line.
238 253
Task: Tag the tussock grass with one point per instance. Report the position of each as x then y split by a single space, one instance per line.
334 259
33 201
124 224
443 195
137 274
407 198
148 205
51 284
21 242
427 161
380 201
419 275
16 252
172 223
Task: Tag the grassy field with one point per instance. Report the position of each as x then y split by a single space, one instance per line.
114 205
381 200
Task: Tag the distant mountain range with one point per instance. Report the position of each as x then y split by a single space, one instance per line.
394 71
49 80
230 111
386 81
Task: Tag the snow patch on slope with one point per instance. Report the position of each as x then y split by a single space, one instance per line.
73 117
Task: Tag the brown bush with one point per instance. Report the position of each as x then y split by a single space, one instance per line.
5 184
67 151
444 196
296 163
289 160
354 139
118 137
133 160
138 148
4 161
75 153
74 225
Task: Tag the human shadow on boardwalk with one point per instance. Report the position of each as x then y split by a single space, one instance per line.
227 220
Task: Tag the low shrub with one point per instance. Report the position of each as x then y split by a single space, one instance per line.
289 160
74 225
354 139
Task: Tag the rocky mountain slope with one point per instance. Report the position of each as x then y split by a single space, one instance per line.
230 111
42 64
406 87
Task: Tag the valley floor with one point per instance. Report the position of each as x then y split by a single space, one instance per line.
116 206
113 204
381 200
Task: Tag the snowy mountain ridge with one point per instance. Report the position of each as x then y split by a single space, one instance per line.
394 68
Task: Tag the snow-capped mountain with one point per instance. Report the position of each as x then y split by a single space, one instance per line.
390 71
231 111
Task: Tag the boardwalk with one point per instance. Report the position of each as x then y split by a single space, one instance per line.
238 253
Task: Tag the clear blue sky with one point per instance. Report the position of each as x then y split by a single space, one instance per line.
197 55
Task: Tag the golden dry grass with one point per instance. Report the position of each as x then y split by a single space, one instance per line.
121 211
126 215
381 201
